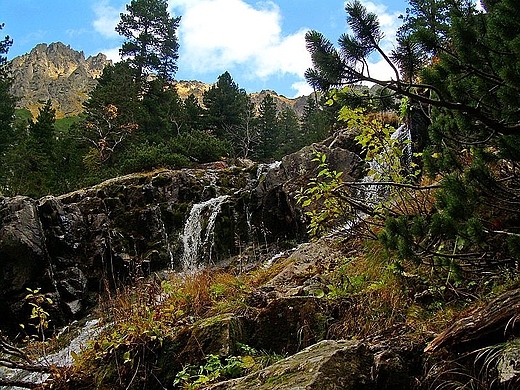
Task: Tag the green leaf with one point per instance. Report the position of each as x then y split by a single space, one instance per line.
74 356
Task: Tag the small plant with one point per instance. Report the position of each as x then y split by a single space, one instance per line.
39 316
321 199
193 377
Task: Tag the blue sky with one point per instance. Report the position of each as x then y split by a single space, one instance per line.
261 43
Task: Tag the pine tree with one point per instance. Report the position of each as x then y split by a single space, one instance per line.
7 101
117 86
225 103
267 124
42 129
459 67
289 138
164 111
193 114
32 160
316 122
151 42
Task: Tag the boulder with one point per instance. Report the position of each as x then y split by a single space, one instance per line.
216 335
289 324
337 365
23 256
24 261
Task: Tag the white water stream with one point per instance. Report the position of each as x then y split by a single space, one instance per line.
197 238
62 358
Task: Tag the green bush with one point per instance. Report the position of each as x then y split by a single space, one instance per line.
146 157
200 146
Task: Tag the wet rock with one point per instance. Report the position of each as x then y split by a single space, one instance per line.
72 283
508 365
23 258
112 233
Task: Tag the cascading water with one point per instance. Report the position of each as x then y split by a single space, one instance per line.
374 192
62 358
195 238
166 237
263 169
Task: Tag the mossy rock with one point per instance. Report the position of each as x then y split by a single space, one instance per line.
216 335
290 324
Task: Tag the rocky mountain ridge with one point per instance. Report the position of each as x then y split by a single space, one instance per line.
63 75
58 73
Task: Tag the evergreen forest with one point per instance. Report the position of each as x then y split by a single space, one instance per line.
134 120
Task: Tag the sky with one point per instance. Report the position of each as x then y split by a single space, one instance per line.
260 43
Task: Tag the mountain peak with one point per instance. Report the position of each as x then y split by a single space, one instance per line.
56 72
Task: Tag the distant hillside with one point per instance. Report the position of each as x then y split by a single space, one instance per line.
63 75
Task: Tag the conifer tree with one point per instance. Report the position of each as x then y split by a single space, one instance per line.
7 101
151 43
193 114
289 138
225 103
42 129
32 160
458 66
316 122
163 111
267 128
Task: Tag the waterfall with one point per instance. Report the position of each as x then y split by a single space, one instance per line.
374 193
264 169
404 136
196 237
61 358
166 238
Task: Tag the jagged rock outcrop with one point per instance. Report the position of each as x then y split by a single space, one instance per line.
186 88
297 104
58 73
77 244
197 88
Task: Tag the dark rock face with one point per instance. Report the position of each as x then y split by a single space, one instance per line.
76 245
23 257
289 324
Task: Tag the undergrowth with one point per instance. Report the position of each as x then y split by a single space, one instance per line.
369 291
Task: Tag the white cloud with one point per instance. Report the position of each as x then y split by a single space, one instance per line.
302 88
288 55
107 18
381 70
112 54
219 35
388 21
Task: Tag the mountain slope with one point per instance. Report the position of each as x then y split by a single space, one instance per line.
65 76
